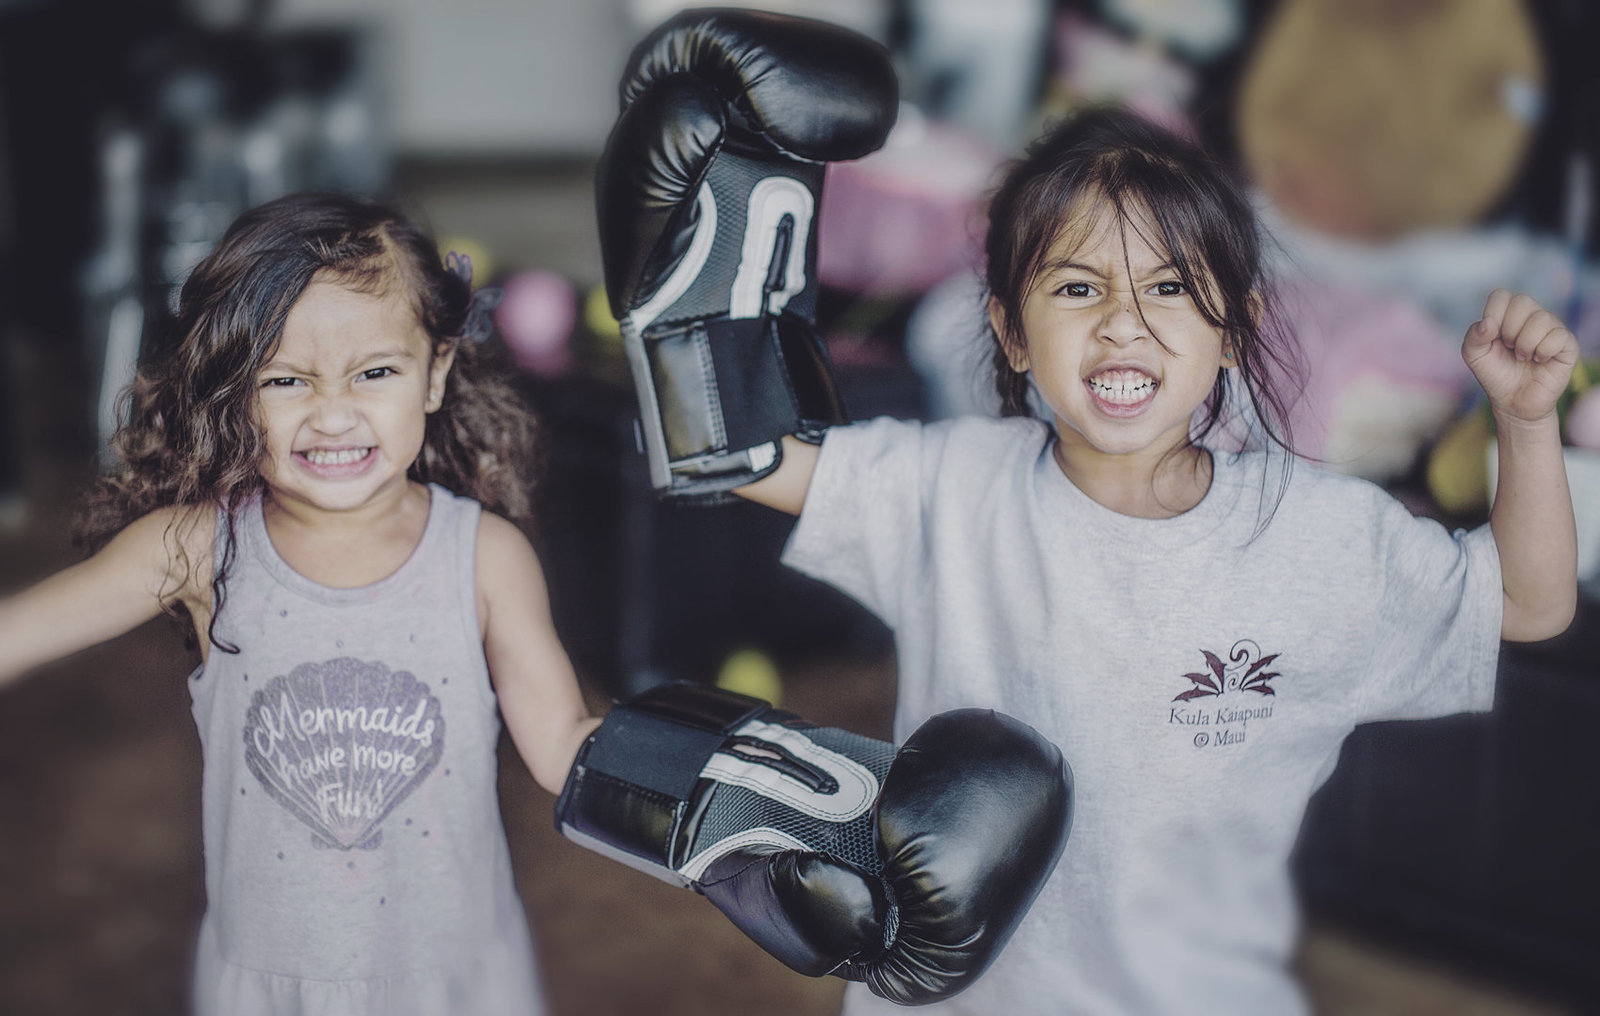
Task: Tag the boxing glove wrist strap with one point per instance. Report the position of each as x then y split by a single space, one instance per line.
729 384
630 790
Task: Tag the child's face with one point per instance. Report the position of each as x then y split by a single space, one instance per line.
345 397
1117 346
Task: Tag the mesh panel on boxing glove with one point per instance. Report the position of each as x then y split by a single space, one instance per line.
725 284
747 802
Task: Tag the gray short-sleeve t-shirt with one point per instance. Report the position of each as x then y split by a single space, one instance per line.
1199 673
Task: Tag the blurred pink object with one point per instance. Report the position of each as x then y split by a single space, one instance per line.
1380 379
1583 420
536 317
1099 66
908 216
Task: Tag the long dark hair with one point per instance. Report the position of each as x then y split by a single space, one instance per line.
1204 225
190 435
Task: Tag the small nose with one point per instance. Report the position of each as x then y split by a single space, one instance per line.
333 415
1122 322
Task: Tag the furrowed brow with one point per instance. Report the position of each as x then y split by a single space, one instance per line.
1068 265
398 353
283 367
1165 268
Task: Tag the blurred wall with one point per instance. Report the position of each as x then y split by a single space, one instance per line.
488 77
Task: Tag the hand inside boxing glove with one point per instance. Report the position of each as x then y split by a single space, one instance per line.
707 194
907 869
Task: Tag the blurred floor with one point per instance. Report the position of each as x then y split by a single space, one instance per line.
100 867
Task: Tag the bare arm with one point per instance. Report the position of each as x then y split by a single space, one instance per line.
538 690
111 593
785 487
1523 357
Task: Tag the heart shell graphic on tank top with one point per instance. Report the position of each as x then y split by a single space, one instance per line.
340 743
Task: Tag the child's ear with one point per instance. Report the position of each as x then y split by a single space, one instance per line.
1016 352
444 356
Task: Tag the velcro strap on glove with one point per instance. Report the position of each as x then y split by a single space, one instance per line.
632 784
775 366
684 774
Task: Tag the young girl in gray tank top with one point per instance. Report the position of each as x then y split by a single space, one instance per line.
301 477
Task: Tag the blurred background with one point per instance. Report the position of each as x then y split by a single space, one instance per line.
1408 155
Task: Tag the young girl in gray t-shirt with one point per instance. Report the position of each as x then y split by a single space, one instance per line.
1197 629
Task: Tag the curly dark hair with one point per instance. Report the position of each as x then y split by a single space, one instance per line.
190 435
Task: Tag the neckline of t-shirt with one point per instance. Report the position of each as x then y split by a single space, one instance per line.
260 544
1144 536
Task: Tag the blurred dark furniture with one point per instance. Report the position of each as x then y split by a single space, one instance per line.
207 124
1475 840
644 591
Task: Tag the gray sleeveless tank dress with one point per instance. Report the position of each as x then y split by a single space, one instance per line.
355 860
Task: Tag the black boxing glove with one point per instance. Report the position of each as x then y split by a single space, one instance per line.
707 195
907 869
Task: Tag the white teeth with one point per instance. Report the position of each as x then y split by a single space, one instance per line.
1122 385
342 457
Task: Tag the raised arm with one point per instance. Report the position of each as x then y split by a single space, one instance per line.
116 590
708 194
533 677
1523 357
785 487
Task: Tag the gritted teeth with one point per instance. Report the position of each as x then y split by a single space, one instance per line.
1122 385
334 456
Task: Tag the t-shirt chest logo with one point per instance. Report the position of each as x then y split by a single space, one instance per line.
340 743
1223 699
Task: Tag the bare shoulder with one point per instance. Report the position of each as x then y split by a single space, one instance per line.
168 555
171 548
505 559
500 539
509 581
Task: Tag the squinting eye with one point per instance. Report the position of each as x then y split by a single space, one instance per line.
377 372
1077 290
280 382
1169 289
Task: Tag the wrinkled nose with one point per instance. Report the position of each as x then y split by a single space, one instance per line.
333 415
1122 323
